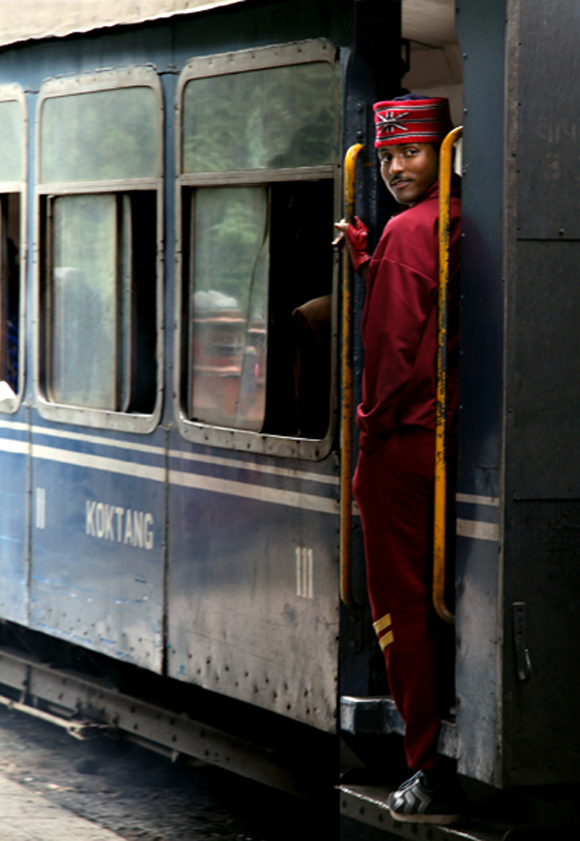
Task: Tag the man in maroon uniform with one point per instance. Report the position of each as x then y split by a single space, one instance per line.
393 483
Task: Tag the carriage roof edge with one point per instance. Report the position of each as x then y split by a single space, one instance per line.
36 20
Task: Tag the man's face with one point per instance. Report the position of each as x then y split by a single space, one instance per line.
409 170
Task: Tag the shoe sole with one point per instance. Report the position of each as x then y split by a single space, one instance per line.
441 820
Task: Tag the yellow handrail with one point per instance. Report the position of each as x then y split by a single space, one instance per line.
439 536
346 390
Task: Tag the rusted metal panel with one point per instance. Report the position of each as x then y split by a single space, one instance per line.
546 366
548 144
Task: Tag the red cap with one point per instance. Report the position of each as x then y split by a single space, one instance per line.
412 121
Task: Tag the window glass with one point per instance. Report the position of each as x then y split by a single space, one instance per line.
229 305
258 265
11 141
262 119
101 135
99 206
84 301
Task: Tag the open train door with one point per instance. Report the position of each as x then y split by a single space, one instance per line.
515 735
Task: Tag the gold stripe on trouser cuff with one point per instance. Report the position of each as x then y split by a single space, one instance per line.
386 639
382 623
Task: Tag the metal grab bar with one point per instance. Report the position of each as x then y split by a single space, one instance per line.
347 389
440 491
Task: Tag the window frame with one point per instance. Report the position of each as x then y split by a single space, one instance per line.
15 93
305 52
45 193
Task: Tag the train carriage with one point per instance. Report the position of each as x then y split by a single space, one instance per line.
172 418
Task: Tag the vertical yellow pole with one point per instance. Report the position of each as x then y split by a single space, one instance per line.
439 536
347 390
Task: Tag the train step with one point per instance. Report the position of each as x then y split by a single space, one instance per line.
368 804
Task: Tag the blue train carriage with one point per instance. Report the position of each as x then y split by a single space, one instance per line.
170 368
170 476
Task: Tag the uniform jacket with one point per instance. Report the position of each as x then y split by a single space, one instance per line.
399 323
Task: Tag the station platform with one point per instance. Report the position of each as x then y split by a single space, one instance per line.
26 815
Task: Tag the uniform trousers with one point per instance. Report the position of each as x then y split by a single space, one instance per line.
393 487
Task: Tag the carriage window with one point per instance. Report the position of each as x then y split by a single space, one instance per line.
11 186
229 305
99 244
287 119
256 273
102 135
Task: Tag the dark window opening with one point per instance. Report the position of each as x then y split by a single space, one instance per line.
9 294
301 260
258 280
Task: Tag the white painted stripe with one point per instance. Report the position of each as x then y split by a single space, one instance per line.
136 446
131 446
19 427
41 508
271 469
292 499
304 572
473 499
110 465
7 445
478 530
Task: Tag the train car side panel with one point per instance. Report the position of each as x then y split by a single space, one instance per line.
97 547
14 518
252 618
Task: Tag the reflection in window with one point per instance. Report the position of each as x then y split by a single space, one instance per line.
84 301
101 135
229 306
260 289
102 302
11 141
264 119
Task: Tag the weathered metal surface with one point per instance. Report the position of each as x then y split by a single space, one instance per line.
369 715
481 31
544 362
97 540
242 613
14 510
540 733
548 142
